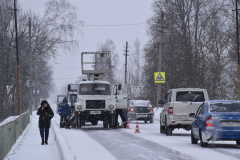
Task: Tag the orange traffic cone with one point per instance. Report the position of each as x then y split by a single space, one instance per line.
137 128
128 127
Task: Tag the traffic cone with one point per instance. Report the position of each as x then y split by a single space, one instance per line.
137 128
128 127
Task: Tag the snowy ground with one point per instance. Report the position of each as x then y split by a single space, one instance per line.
95 142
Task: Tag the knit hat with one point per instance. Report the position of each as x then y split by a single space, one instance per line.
43 102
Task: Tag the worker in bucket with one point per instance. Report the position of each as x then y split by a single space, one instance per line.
45 115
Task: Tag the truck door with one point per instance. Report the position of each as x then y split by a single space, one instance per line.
60 99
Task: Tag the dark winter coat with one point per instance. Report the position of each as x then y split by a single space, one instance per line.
45 116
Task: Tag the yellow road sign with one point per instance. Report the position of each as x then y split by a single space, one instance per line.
159 77
41 100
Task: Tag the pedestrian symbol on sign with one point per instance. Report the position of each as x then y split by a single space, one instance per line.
159 77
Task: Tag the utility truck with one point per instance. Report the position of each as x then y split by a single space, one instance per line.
97 99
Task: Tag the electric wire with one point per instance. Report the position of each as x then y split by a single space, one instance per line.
112 25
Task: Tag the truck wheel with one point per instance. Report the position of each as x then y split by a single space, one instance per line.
168 130
61 125
151 121
145 121
112 123
79 125
61 122
193 139
162 127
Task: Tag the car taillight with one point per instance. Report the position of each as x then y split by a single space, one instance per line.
209 122
151 109
170 110
131 109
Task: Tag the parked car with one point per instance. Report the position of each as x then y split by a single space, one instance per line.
216 120
140 110
178 104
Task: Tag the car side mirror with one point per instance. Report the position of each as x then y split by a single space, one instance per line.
119 87
192 115
160 102
69 87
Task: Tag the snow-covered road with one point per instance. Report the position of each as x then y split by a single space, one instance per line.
123 143
149 144
95 142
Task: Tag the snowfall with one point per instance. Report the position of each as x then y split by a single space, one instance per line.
95 142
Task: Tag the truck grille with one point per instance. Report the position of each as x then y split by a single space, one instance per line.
95 104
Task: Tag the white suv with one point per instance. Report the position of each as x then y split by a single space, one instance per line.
178 104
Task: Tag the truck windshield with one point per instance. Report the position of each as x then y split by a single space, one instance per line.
94 89
195 96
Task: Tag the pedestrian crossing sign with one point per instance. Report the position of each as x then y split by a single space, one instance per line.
159 77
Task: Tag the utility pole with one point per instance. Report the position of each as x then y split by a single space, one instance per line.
30 67
36 78
238 69
126 54
18 67
160 52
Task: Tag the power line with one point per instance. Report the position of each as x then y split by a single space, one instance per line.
112 25
65 78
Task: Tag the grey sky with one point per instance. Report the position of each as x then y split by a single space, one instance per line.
98 12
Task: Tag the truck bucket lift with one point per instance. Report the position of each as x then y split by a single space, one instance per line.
96 63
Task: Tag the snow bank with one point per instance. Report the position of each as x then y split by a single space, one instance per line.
63 148
9 119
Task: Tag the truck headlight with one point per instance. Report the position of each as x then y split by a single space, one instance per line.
111 106
79 107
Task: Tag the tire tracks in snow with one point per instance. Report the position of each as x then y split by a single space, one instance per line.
123 145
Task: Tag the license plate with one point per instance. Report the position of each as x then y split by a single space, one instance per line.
141 115
95 112
231 124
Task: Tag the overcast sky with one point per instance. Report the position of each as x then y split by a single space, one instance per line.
98 12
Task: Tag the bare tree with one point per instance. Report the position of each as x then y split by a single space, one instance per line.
49 33
196 46
109 45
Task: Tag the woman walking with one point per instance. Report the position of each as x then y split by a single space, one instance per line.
45 115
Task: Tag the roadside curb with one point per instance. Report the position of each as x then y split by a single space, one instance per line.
63 148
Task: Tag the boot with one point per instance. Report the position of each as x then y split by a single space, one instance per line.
46 142
42 142
124 124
